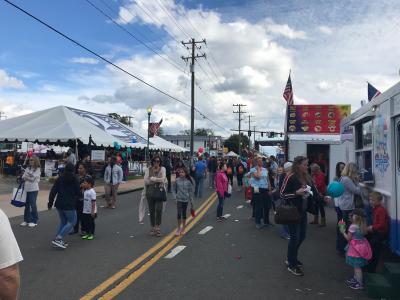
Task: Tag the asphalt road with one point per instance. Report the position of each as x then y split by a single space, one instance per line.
233 260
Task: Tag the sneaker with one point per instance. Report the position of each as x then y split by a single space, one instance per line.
32 225
85 237
351 280
219 219
356 286
23 224
59 243
259 226
90 237
296 271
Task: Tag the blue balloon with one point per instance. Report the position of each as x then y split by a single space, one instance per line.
335 189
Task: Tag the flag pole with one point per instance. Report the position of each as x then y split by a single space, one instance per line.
286 127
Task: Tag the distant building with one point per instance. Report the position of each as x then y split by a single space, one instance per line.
212 143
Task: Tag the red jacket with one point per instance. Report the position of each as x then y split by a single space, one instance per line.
380 219
319 181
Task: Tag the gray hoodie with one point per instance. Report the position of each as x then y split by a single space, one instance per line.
183 190
346 201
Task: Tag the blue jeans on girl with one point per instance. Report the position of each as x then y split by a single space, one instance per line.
67 222
30 212
297 234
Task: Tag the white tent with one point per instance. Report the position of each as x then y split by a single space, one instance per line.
62 124
231 154
55 125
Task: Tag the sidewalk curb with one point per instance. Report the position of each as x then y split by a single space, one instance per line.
102 195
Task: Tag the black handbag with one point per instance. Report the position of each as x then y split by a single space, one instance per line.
156 192
287 214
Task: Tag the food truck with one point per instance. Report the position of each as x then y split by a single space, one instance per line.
375 131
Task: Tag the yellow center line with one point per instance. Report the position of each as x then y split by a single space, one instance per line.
108 282
136 274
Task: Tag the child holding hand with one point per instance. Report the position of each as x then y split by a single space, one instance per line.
89 212
358 250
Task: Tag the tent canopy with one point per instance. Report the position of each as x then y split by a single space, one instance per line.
231 154
62 124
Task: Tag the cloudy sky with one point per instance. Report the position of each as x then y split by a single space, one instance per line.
332 50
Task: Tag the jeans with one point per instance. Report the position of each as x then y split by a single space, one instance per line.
341 241
67 222
30 212
262 205
220 206
155 209
211 179
198 191
297 234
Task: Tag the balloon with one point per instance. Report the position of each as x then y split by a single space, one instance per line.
123 154
129 150
201 150
134 139
117 146
335 189
30 153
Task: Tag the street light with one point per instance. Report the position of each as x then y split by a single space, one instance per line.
149 110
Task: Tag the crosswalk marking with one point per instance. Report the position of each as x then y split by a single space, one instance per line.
206 229
226 216
239 207
175 251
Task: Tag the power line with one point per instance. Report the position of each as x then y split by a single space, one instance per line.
172 18
153 17
106 60
136 38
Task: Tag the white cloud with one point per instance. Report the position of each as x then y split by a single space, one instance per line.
7 81
283 30
84 60
325 29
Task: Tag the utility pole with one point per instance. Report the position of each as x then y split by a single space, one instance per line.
254 137
250 121
240 112
193 57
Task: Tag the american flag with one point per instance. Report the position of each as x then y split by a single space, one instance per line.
153 128
288 92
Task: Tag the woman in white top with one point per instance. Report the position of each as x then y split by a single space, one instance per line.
31 179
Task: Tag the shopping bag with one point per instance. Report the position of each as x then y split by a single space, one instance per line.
19 196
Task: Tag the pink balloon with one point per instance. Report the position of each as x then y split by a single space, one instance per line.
201 150
30 153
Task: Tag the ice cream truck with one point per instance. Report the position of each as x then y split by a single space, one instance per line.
375 132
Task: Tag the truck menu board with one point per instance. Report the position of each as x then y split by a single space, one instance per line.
316 119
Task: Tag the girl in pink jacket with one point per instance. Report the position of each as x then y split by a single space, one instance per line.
221 184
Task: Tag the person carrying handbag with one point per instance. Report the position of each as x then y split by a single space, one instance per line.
296 190
155 179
